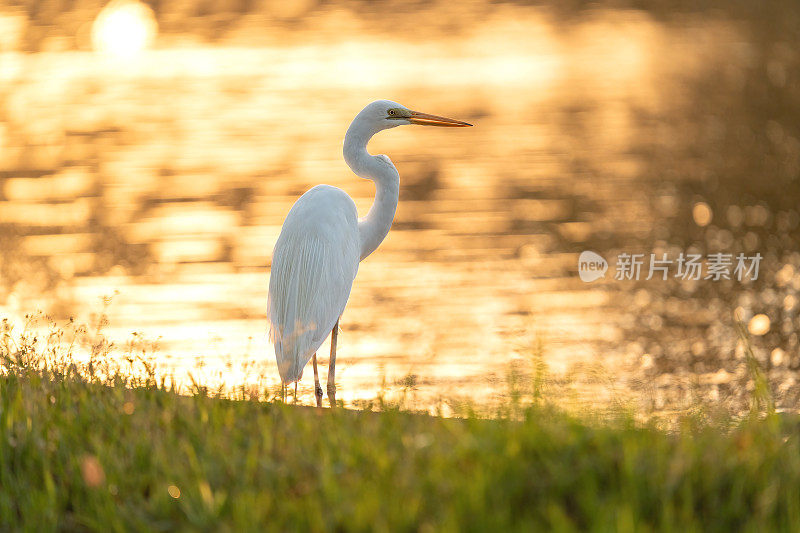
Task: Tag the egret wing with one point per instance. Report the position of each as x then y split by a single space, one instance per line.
313 267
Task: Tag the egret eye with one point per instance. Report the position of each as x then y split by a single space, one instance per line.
392 112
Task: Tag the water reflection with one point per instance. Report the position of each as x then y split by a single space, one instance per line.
165 176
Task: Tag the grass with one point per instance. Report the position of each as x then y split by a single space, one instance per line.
101 450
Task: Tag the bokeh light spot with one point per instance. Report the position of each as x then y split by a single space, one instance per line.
124 28
701 212
92 472
777 356
759 325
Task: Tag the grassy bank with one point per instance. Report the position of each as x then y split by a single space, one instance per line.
100 455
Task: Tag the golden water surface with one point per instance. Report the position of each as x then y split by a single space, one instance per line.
161 176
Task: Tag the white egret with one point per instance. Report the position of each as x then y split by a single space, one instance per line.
322 240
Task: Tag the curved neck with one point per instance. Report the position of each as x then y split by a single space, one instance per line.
374 227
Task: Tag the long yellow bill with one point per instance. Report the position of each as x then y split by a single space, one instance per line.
424 119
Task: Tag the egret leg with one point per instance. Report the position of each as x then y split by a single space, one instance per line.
295 391
317 386
332 366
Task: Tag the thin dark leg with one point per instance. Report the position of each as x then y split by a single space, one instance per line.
295 391
332 367
317 386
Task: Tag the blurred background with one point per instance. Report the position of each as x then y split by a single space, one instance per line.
149 152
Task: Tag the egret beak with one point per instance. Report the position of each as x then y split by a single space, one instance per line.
424 119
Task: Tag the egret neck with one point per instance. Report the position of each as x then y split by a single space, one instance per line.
374 227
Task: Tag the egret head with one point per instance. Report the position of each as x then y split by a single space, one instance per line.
377 116
383 114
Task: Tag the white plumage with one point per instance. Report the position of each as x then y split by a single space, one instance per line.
316 257
313 267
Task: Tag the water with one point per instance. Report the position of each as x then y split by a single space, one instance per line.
163 178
